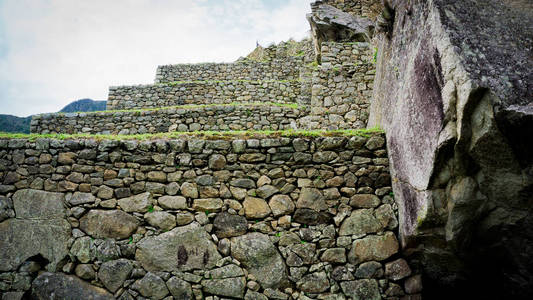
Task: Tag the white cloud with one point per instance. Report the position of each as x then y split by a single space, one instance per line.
62 50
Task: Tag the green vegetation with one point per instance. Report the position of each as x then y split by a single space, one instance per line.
84 105
9 123
151 208
375 56
202 134
314 65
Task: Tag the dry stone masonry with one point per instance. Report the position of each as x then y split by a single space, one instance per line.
278 216
181 119
204 92
334 95
287 68
342 84
257 218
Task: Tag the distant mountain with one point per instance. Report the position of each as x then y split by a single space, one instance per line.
84 105
9 123
14 124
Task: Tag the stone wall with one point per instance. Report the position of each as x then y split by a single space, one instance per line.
277 69
364 8
283 218
194 118
202 92
343 83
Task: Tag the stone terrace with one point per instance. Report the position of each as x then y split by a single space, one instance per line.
202 92
287 68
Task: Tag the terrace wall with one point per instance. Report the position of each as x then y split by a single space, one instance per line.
276 217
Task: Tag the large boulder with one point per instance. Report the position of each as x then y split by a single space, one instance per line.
39 228
453 91
183 248
261 258
50 286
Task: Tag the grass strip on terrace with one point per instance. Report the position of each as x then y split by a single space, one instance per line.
187 106
228 135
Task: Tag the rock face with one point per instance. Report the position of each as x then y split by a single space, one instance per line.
331 24
183 248
39 228
49 286
453 91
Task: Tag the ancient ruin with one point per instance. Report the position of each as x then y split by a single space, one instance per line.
386 157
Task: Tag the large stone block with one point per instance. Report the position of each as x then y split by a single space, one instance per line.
114 224
261 258
50 286
183 248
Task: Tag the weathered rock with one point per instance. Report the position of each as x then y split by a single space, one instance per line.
183 248
138 203
456 124
261 258
228 225
83 249
114 224
359 223
311 198
180 289
255 208
208 205
189 190
371 269
113 273
217 162
40 228
61 286
229 287
334 255
314 283
172 202
397 269
266 191
363 289
85 271
281 205
107 250
251 295
243 183
161 219
364 201
35 204
81 198
311 217
373 247
152 286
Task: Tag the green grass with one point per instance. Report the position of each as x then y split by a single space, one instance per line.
201 134
190 106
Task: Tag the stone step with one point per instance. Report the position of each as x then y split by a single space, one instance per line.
202 92
223 117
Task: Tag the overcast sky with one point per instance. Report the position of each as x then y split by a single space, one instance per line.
53 52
